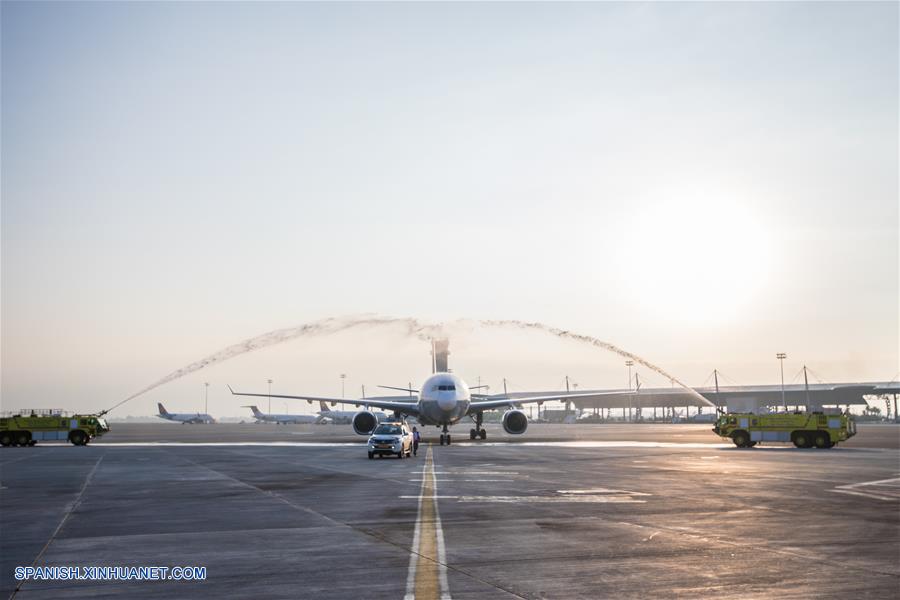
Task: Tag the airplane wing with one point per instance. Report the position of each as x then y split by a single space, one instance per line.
409 408
510 402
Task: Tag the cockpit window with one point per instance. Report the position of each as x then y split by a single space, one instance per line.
444 388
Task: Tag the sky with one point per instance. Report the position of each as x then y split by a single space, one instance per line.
703 184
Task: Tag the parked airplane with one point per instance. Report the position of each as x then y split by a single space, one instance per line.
190 418
343 416
283 419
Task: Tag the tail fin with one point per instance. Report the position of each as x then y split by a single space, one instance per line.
256 412
162 409
323 407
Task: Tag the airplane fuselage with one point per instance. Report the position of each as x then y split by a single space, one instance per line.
443 399
282 419
191 419
288 419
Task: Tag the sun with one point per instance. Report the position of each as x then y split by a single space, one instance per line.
698 258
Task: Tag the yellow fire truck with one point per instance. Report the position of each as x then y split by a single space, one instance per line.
33 425
804 429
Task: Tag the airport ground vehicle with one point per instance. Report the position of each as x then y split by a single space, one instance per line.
804 429
391 437
33 425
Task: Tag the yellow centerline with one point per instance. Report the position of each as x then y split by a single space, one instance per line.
427 571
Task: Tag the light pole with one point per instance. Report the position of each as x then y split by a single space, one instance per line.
343 379
206 399
629 364
270 396
781 356
806 385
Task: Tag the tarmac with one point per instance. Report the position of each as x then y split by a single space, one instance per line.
563 511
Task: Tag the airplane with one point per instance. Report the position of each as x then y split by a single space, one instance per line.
282 419
444 399
343 416
189 418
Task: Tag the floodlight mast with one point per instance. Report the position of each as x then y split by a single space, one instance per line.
781 356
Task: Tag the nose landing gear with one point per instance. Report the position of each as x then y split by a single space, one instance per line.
445 437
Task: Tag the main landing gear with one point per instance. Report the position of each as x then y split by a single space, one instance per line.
479 430
445 437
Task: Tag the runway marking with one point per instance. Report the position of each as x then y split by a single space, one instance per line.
597 444
805 556
269 493
561 444
578 499
467 480
420 496
287 444
75 504
602 491
427 576
852 489
474 472
594 496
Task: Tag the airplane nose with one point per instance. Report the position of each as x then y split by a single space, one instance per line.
447 403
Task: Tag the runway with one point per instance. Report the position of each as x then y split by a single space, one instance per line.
870 436
288 512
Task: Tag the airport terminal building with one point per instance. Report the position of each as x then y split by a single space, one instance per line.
743 399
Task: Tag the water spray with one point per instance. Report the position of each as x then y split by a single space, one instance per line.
412 328
586 339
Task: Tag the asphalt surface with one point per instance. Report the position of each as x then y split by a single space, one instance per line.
585 511
870 435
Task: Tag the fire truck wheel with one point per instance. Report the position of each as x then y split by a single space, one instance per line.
5 439
741 439
22 438
822 440
78 438
801 439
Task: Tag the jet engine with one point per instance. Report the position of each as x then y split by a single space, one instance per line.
515 422
364 422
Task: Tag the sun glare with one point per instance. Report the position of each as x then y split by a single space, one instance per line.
700 259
